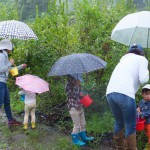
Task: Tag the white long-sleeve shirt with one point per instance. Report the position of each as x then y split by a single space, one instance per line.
30 97
128 75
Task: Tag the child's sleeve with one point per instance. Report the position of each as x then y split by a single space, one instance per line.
22 92
140 103
145 114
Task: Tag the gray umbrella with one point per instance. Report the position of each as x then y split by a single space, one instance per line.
76 63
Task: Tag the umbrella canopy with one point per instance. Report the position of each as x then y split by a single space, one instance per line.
13 29
32 83
133 28
76 63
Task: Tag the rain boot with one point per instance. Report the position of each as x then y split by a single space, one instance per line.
130 142
147 126
76 141
119 140
84 138
25 126
33 125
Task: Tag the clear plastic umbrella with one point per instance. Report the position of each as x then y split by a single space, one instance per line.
133 28
76 63
13 29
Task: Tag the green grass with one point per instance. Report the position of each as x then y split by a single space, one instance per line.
97 123
17 139
16 104
64 144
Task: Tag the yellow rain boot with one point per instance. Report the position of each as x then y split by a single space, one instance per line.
25 126
32 125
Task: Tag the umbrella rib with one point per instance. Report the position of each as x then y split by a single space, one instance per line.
132 35
82 65
147 42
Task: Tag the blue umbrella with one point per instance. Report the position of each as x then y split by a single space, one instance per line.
76 63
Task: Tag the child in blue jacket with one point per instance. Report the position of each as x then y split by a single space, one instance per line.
144 109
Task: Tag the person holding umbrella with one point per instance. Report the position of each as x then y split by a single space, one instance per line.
128 75
30 107
31 86
74 94
6 48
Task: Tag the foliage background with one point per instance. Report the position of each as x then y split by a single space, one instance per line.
65 27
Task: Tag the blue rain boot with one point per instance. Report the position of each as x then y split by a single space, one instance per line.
84 138
76 141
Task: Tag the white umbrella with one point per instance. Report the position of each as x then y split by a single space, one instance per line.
133 28
13 29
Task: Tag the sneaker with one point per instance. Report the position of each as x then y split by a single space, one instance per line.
14 122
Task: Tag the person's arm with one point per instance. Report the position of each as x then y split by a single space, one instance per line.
138 110
143 71
145 114
4 67
81 94
21 66
22 92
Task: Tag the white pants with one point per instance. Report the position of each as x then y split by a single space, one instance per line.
29 110
78 119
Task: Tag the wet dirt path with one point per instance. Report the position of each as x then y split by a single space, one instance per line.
42 138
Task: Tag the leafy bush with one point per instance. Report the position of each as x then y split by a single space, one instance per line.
86 29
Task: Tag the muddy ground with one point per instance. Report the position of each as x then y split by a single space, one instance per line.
43 137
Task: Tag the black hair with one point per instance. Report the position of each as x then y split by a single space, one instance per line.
145 91
71 80
137 52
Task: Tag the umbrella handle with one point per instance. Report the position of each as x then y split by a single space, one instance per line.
14 65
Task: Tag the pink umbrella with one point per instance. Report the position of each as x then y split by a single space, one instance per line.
32 83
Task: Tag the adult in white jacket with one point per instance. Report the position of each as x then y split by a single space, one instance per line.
128 75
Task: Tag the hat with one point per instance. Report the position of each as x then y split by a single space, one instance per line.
136 47
6 44
77 77
147 86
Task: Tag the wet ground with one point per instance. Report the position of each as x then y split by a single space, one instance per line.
43 138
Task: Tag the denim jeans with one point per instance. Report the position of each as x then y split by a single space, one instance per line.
123 108
4 99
